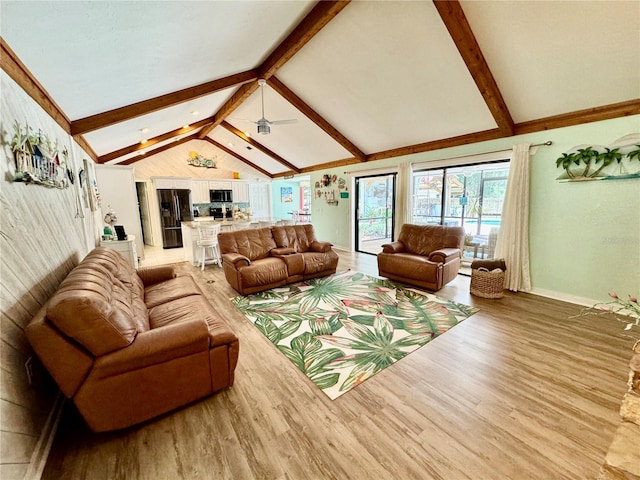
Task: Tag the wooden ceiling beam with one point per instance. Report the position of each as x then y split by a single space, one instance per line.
238 156
117 115
229 106
316 118
13 66
321 14
259 146
596 114
456 22
152 141
475 137
161 148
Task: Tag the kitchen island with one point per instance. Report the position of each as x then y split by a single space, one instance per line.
190 233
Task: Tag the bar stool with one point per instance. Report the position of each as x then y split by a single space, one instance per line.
208 239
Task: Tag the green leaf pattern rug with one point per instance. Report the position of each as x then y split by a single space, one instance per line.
342 329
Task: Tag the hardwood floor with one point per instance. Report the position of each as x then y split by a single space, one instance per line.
517 391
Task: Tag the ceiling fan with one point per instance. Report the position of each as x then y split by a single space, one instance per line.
264 125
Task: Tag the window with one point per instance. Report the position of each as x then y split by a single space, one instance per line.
469 196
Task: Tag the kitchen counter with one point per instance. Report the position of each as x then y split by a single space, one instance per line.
224 223
190 233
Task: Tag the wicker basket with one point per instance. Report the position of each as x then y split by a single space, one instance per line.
487 284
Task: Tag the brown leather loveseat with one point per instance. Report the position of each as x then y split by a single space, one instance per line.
129 345
427 256
259 259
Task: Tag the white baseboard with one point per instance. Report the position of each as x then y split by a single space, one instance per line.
43 447
565 297
340 247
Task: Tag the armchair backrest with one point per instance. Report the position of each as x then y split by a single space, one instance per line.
424 239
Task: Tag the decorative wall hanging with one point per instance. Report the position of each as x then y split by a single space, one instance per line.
619 160
91 185
38 160
326 188
197 160
286 194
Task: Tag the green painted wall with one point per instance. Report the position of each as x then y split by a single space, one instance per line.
584 237
282 210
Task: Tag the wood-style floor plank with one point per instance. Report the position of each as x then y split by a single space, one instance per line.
518 391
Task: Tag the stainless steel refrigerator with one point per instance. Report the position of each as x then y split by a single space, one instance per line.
175 207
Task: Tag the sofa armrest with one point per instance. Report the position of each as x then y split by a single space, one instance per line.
279 252
393 247
156 346
444 255
321 247
153 275
236 259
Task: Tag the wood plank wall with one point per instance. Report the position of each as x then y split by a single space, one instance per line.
44 233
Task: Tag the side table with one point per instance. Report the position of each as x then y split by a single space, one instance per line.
127 248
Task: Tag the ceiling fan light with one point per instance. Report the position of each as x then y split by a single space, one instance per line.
264 129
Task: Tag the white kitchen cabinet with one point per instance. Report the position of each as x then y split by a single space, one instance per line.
172 182
217 185
200 191
240 191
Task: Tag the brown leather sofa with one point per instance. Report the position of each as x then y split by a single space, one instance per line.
427 256
129 345
259 259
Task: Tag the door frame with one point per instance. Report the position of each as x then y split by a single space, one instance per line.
356 189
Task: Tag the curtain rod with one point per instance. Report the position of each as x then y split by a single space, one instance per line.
544 144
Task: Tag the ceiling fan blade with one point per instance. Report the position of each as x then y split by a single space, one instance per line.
234 119
284 122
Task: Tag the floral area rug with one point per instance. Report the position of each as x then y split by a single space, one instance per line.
342 329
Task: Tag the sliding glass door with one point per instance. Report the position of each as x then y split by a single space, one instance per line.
469 196
375 205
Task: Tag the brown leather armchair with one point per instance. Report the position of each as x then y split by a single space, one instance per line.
427 256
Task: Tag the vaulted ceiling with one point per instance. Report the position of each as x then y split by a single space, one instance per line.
365 80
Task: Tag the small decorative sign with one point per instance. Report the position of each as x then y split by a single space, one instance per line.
197 160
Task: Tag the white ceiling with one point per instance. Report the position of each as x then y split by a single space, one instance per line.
550 58
386 74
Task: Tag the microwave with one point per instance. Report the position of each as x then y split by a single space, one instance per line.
220 196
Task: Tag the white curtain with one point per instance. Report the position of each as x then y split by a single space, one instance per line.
403 197
513 240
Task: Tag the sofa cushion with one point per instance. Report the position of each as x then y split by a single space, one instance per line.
298 237
122 270
169 290
408 265
263 272
253 243
315 262
423 239
95 309
194 308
